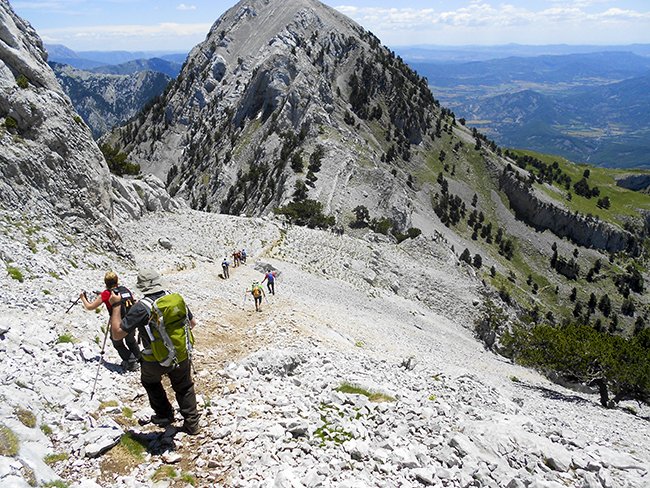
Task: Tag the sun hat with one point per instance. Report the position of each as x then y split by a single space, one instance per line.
150 281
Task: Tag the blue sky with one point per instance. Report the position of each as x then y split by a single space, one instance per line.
142 25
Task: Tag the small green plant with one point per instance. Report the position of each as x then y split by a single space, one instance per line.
127 412
22 81
134 445
433 398
65 338
46 429
164 472
109 403
514 379
27 418
57 484
188 478
8 442
55 458
358 344
10 123
372 396
15 273
47 292
78 120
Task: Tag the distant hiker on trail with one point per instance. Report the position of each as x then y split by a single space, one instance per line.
235 259
257 291
270 281
130 353
224 266
144 316
243 256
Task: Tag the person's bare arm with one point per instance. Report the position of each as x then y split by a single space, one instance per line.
90 305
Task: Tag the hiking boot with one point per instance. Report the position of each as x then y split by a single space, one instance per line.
191 429
161 421
132 365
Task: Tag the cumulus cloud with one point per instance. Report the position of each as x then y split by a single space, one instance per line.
565 19
163 35
182 6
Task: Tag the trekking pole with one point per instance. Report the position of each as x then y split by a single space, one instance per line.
190 349
101 357
74 303
206 398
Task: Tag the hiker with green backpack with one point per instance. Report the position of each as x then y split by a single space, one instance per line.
257 291
164 323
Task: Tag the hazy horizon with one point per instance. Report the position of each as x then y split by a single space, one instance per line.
146 25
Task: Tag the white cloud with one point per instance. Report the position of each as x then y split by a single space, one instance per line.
182 6
163 36
480 22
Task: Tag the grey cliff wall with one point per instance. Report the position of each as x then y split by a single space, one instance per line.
583 231
48 159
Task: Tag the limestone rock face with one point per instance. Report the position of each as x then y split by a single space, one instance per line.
584 231
51 167
134 198
281 92
48 159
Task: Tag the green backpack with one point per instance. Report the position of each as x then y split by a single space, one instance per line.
169 330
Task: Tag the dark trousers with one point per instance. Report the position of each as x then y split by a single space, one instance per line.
181 380
271 285
130 348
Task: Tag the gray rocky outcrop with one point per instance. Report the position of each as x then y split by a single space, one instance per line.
49 162
584 231
132 198
635 182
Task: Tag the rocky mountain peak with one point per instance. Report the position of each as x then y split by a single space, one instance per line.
283 93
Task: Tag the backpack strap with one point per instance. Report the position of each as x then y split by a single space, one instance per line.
167 341
148 304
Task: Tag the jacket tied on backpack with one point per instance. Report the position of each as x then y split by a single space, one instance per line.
169 330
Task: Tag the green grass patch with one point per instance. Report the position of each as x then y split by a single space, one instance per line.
8 442
15 273
55 458
164 473
57 484
65 338
27 418
134 445
110 403
372 396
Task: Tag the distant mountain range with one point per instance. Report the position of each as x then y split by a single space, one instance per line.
88 60
588 107
584 103
428 52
